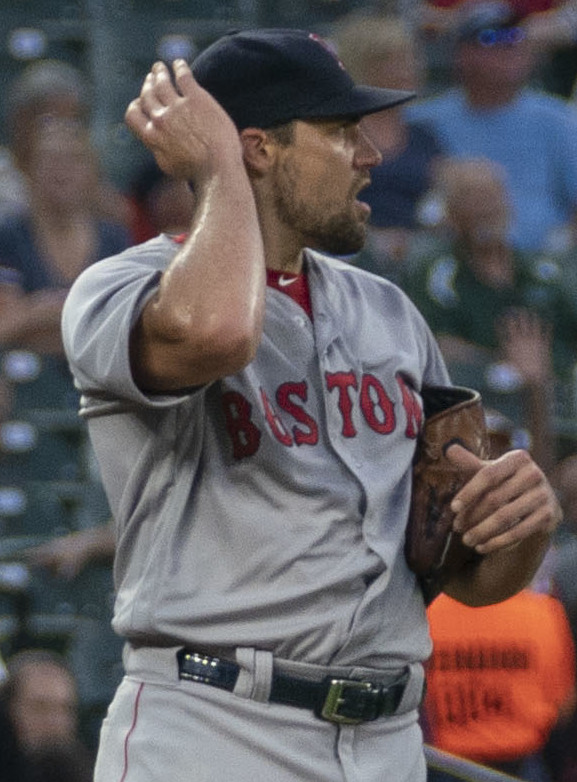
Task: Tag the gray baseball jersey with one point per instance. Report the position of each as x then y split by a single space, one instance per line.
266 509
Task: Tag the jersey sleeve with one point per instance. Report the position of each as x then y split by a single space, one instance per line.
99 313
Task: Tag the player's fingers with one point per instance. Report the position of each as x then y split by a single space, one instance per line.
463 459
492 490
165 89
157 90
183 78
512 471
144 122
512 522
492 498
134 116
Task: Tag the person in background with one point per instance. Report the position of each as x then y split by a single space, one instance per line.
48 90
381 50
159 204
550 23
44 247
13 765
559 568
503 316
500 678
564 550
59 763
67 556
39 707
492 112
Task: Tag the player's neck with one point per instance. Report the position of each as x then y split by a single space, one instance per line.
283 251
279 263
283 245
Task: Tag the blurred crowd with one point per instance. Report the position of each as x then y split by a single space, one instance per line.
473 214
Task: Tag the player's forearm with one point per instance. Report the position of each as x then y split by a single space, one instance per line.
206 320
500 575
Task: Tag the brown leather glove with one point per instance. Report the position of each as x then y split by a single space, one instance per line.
433 551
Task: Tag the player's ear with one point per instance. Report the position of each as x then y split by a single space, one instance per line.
258 150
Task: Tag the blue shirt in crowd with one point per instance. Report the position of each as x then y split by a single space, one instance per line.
534 138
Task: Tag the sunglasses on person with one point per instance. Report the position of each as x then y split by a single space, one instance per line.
505 36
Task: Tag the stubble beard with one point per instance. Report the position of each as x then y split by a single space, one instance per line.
337 233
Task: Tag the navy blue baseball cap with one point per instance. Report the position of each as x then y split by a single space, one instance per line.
267 77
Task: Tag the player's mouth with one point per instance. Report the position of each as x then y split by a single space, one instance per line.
362 206
363 209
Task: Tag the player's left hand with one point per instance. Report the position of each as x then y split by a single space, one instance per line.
504 502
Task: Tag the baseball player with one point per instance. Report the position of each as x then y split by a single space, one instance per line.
254 405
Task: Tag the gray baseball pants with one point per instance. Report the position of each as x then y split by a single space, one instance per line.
162 728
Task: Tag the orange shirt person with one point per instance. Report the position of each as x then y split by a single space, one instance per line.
500 676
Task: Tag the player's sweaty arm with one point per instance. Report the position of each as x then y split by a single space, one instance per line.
206 319
507 512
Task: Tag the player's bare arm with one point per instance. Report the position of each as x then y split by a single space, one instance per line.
506 512
205 321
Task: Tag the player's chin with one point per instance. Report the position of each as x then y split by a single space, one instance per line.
342 233
359 224
346 242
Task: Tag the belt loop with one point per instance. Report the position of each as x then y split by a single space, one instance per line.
414 691
255 675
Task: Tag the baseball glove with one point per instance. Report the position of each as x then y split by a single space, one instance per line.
434 552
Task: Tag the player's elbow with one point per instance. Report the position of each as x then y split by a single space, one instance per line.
228 348
230 336
183 355
213 356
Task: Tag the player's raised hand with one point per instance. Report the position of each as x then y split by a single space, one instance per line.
505 501
185 128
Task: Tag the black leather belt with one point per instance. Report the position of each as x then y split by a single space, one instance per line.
345 701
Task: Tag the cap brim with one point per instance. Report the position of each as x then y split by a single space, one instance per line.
361 100
372 99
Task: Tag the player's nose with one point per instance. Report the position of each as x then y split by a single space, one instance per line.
367 155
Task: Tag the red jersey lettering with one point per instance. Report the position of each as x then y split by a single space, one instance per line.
412 407
276 425
343 381
284 394
376 405
244 434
